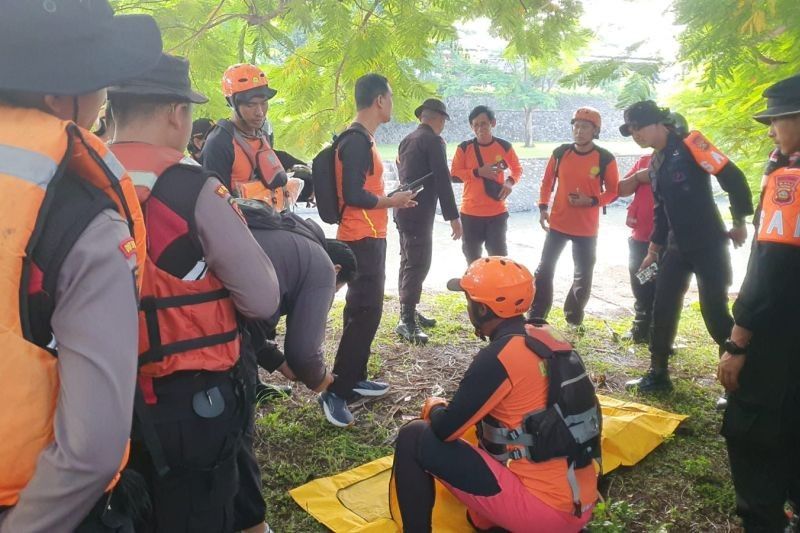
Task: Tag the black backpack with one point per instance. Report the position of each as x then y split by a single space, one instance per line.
323 175
606 158
569 427
259 215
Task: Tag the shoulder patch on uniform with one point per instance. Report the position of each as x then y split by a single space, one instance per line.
128 247
222 191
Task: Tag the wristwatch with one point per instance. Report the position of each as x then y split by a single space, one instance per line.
733 348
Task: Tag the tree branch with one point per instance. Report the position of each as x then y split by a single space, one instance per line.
764 59
339 69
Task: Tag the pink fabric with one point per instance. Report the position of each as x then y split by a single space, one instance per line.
640 210
514 507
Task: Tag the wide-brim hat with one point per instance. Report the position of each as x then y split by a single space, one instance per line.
433 104
72 47
643 114
783 99
168 79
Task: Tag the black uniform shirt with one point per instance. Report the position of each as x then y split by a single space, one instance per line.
684 201
421 152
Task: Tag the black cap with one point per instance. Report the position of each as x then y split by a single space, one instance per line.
72 47
643 114
169 78
202 126
433 104
783 99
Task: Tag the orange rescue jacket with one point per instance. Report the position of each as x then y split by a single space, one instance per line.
780 208
36 151
189 323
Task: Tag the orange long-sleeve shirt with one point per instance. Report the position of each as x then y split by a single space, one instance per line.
474 200
578 172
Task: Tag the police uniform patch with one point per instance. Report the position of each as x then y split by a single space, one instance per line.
128 247
785 187
222 191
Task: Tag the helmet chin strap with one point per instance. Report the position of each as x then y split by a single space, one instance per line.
232 102
75 109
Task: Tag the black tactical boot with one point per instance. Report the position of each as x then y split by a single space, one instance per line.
656 379
638 334
408 329
653 381
424 321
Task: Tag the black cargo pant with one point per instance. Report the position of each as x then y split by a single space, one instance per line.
644 294
416 249
197 494
712 268
763 446
584 252
250 508
362 315
480 231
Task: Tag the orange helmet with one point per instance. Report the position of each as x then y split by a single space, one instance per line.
502 284
589 114
245 77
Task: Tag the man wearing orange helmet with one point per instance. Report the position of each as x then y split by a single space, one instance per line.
516 477
587 177
237 149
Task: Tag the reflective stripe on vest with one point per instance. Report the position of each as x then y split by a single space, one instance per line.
780 208
35 148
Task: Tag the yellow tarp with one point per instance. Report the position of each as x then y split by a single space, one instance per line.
358 500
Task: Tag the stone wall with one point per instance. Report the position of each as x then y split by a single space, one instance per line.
526 193
548 125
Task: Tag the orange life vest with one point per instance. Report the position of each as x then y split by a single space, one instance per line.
267 180
780 208
358 222
189 323
704 153
37 151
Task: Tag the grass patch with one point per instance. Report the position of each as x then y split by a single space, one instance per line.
684 485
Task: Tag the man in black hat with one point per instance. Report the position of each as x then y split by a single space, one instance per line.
66 384
688 225
421 153
200 129
760 368
203 268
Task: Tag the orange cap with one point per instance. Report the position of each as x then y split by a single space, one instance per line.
243 77
502 284
589 114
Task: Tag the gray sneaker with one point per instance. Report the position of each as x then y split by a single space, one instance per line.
335 409
371 389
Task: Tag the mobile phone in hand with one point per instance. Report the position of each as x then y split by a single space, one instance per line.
647 274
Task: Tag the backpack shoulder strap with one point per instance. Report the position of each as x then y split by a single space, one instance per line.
558 154
477 149
345 133
606 158
504 143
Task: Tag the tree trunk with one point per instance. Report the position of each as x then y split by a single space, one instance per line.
528 126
